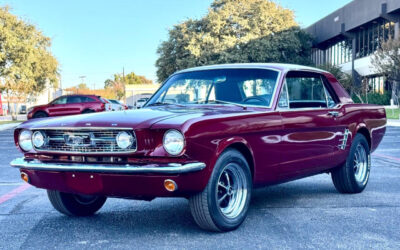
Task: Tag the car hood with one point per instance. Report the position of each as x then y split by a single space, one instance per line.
39 106
136 119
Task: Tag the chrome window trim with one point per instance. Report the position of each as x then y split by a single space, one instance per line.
273 97
336 107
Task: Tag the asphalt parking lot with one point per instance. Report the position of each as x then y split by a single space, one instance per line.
307 213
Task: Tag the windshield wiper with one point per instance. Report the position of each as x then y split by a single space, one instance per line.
231 103
164 103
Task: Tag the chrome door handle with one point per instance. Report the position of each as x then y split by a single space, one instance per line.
333 113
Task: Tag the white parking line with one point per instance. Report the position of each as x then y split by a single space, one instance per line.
11 184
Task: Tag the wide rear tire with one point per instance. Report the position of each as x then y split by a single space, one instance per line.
75 205
353 175
223 204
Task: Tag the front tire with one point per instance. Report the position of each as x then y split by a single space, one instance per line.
88 111
75 205
352 177
40 114
223 204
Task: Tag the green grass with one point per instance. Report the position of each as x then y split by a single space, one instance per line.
7 122
392 113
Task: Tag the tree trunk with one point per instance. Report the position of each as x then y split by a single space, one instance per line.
8 106
394 90
15 112
359 97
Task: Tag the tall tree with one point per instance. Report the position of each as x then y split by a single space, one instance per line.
27 66
387 62
117 84
235 31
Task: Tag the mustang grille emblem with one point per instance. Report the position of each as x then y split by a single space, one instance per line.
76 140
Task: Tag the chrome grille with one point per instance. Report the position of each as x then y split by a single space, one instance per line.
91 141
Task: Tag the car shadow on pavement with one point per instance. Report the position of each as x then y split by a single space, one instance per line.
165 216
289 194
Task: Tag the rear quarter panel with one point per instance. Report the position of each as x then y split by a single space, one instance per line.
365 116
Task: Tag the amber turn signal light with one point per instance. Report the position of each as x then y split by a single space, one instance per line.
25 177
170 185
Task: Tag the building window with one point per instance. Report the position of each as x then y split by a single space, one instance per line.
376 84
368 39
336 54
370 36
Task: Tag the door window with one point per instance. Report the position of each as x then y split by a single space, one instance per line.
306 91
61 100
87 99
74 99
283 102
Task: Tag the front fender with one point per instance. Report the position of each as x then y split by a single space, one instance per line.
234 142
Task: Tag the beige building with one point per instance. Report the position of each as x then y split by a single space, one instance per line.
137 91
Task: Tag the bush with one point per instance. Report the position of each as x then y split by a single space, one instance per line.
375 98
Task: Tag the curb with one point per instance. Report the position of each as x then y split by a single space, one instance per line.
9 125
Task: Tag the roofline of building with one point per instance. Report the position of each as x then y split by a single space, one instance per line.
356 13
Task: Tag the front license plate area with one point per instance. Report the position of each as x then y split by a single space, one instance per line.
85 183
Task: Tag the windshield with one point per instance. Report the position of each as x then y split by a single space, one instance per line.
223 86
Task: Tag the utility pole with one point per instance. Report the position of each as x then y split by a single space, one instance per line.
82 80
124 82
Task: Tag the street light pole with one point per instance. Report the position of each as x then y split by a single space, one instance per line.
124 82
82 81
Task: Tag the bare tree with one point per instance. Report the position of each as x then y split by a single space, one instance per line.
387 62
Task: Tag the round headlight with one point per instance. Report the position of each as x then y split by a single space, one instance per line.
25 140
38 139
124 140
173 142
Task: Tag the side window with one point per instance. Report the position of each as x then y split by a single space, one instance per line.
329 99
74 99
87 99
283 102
306 91
61 100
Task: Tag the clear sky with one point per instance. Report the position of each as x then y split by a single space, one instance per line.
97 38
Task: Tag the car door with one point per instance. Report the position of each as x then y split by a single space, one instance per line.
75 105
58 106
310 127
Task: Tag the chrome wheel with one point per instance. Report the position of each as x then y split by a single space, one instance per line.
360 163
232 190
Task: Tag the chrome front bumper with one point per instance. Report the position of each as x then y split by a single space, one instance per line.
171 168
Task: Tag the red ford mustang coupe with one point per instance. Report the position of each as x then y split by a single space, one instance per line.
210 134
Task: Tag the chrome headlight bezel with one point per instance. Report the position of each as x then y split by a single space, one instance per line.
38 139
173 142
124 140
25 140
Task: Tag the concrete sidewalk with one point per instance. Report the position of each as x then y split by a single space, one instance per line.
9 118
393 122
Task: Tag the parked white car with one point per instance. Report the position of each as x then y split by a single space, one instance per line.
116 105
141 102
